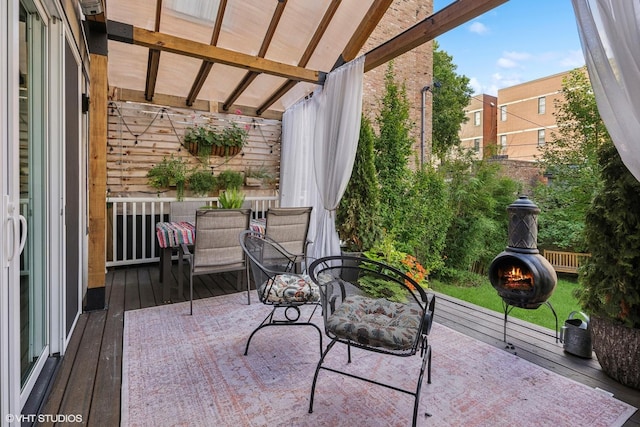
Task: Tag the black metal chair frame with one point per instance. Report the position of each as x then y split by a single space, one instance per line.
352 267
291 309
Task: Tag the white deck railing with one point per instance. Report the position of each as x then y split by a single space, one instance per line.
131 225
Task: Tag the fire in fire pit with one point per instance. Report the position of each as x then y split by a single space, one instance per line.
515 279
523 277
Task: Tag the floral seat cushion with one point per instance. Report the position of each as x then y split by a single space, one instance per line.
289 288
376 322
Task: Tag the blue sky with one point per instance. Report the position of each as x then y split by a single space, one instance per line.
519 41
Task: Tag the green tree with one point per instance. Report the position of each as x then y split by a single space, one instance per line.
570 159
425 218
449 101
393 148
479 196
358 215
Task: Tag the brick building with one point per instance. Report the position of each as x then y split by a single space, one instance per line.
413 69
479 133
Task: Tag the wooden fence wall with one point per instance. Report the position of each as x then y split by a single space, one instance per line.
141 135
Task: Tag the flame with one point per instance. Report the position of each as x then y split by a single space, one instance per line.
515 278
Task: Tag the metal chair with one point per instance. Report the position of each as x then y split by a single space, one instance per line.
375 307
216 248
277 285
289 227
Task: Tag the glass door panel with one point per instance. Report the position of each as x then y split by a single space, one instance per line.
33 327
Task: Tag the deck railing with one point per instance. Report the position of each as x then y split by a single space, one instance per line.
565 262
131 225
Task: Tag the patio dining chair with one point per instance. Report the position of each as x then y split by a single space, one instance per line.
290 228
216 248
375 307
272 269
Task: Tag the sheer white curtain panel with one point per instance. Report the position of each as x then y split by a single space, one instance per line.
610 35
334 149
297 180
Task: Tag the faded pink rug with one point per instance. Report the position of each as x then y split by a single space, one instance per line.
181 370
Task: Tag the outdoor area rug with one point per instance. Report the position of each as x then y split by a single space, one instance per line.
181 370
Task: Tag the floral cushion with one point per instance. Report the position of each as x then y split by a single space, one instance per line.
376 322
289 288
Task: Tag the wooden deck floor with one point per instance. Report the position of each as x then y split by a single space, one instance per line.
89 376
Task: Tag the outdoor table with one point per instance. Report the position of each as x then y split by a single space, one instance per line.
173 234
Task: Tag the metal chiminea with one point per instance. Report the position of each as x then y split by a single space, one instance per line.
523 277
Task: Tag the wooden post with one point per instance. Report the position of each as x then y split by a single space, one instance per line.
95 298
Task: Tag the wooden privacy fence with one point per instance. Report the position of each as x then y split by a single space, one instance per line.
565 262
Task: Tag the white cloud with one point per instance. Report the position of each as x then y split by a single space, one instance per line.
517 56
478 28
475 85
506 63
574 59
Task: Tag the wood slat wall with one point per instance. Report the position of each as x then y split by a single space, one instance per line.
141 135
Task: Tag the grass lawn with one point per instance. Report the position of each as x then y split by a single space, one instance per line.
486 296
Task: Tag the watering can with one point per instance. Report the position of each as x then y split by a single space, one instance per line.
576 335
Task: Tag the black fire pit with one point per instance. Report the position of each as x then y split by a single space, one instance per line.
523 277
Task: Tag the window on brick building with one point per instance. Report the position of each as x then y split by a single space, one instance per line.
503 144
476 118
541 141
476 145
503 113
542 105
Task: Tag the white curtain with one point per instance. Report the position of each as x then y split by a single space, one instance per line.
297 180
334 148
319 141
610 36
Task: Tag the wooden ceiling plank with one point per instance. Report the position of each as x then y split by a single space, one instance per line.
153 63
369 23
286 87
455 14
306 56
205 67
266 41
181 46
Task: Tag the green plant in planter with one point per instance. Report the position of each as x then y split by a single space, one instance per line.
257 176
201 139
228 179
610 278
202 181
233 139
168 173
231 198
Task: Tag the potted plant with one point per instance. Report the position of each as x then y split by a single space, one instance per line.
233 139
200 140
256 177
610 279
231 198
358 220
201 181
170 172
228 179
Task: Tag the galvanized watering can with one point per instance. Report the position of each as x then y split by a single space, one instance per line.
576 335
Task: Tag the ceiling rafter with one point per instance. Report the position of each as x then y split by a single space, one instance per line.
251 75
306 56
205 67
455 14
126 33
153 63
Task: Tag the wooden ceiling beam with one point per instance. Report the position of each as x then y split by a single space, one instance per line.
153 63
181 46
369 23
306 56
446 19
251 75
205 67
